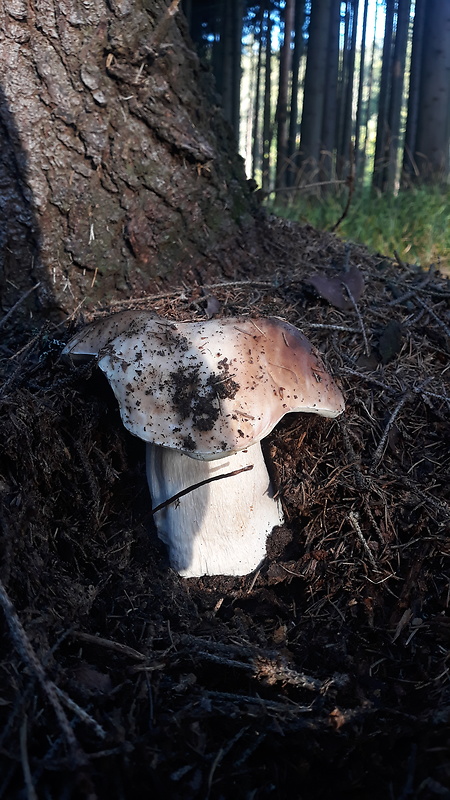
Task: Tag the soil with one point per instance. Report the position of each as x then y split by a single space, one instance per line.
325 674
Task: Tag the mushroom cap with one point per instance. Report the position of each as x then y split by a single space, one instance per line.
94 336
210 388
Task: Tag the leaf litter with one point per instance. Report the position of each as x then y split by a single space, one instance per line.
327 669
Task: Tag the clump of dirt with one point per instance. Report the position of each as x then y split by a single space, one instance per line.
327 669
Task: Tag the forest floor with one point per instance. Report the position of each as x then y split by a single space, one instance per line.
325 674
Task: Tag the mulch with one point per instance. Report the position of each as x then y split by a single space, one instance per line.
325 674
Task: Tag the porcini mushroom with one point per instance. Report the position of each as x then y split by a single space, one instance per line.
203 395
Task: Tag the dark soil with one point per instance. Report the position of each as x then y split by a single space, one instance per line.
323 675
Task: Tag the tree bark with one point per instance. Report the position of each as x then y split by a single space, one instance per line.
267 121
396 95
314 92
383 101
368 107
293 116
283 91
329 115
359 102
116 170
432 142
344 144
409 165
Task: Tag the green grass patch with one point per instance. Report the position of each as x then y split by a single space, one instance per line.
415 223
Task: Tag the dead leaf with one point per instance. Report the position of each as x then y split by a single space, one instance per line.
92 679
391 341
213 306
337 718
332 288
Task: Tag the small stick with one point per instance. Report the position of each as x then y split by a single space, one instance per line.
350 182
329 327
182 292
356 527
109 644
269 705
435 316
360 319
411 293
407 396
81 713
197 486
25 649
370 379
379 451
31 791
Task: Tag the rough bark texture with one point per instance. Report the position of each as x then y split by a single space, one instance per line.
383 101
281 115
396 95
432 142
115 169
409 165
348 69
331 92
315 82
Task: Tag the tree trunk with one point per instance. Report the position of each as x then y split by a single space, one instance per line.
255 126
347 107
368 108
283 91
409 165
293 116
267 121
396 95
329 115
314 92
432 142
383 101
115 169
359 102
227 60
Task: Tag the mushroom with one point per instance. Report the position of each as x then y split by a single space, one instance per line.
203 395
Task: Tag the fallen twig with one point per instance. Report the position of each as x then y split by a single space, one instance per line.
25 649
118 647
357 528
379 451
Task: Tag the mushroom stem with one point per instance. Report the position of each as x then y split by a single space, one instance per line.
220 527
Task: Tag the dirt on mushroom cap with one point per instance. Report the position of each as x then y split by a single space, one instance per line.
215 387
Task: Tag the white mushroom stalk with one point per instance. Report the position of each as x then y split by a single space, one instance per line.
221 527
203 395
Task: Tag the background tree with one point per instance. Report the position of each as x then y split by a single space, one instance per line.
315 87
409 165
256 148
431 149
281 115
392 132
267 118
330 100
362 73
346 87
295 88
383 101
309 86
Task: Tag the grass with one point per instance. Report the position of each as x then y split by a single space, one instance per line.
414 223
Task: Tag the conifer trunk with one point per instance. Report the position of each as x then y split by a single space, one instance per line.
115 169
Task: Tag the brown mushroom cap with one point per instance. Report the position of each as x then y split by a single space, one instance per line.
94 336
209 388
